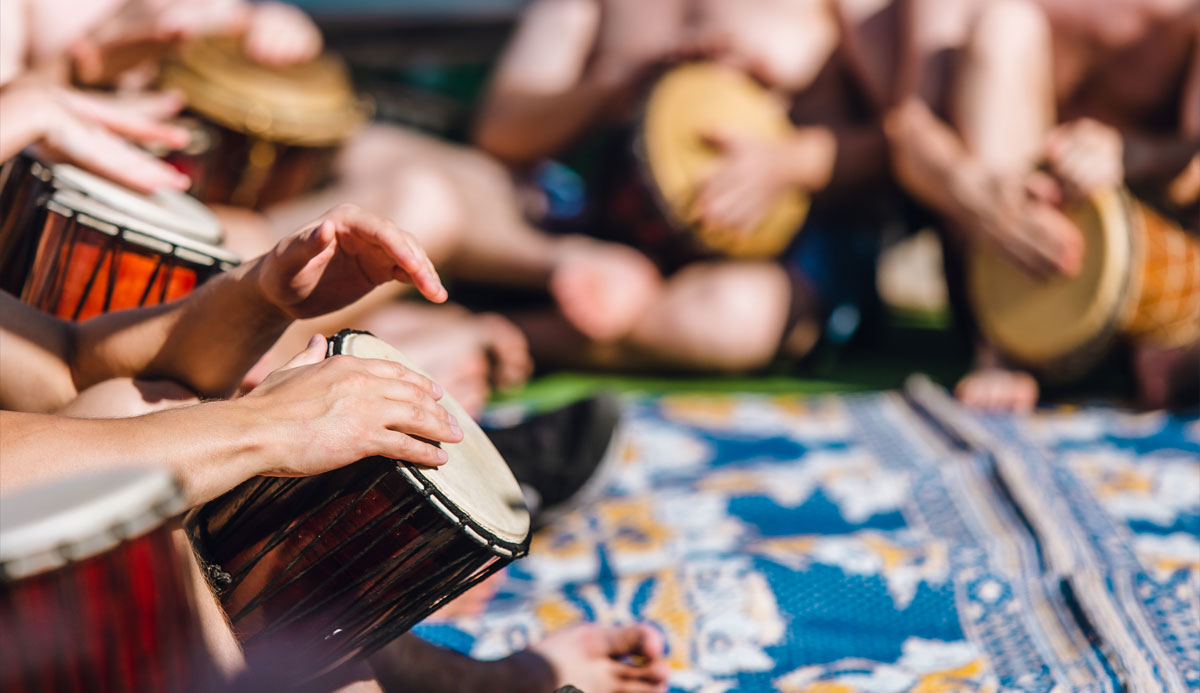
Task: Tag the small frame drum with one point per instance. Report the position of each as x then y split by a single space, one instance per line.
93 592
1140 281
686 103
326 568
274 131
76 245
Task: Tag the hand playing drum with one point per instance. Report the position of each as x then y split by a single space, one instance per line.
1139 281
318 570
712 150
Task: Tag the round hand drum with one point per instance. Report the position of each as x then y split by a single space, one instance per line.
684 105
274 130
76 245
93 592
321 569
1140 281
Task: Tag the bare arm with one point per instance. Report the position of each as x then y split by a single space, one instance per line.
543 94
209 339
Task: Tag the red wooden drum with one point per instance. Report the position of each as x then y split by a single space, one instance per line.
1140 282
93 595
271 133
76 245
326 568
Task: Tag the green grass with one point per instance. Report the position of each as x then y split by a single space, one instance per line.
907 345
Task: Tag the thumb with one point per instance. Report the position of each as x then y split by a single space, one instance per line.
313 353
720 138
302 247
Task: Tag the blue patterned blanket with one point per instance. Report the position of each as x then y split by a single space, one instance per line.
867 544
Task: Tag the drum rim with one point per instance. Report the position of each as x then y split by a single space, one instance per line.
428 487
1058 362
646 167
116 505
173 211
97 215
227 104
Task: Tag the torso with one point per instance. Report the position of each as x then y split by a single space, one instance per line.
1134 82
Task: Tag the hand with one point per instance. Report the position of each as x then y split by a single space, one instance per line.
1085 155
1020 218
749 179
592 657
340 258
90 131
281 34
328 412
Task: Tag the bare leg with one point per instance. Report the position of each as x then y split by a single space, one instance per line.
224 651
125 397
715 316
1003 107
586 656
602 288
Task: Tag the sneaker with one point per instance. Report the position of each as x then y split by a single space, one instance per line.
562 458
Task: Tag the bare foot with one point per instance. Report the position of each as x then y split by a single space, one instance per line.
467 354
998 389
603 288
599 659
469 603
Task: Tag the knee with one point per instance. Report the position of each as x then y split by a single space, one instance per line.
1008 29
735 319
126 397
425 203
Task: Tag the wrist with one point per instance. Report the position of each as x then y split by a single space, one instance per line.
233 443
252 284
251 444
809 159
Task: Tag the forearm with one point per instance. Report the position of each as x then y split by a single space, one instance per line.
206 341
930 161
821 157
520 128
209 447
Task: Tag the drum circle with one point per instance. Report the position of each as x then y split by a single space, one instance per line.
94 593
322 569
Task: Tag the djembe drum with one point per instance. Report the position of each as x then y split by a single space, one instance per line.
685 104
94 595
1140 281
322 569
273 131
76 245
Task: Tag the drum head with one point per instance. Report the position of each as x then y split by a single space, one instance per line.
475 479
106 219
1041 323
685 104
311 104
165 209
44 527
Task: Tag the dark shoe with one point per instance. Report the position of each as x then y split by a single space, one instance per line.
561 458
